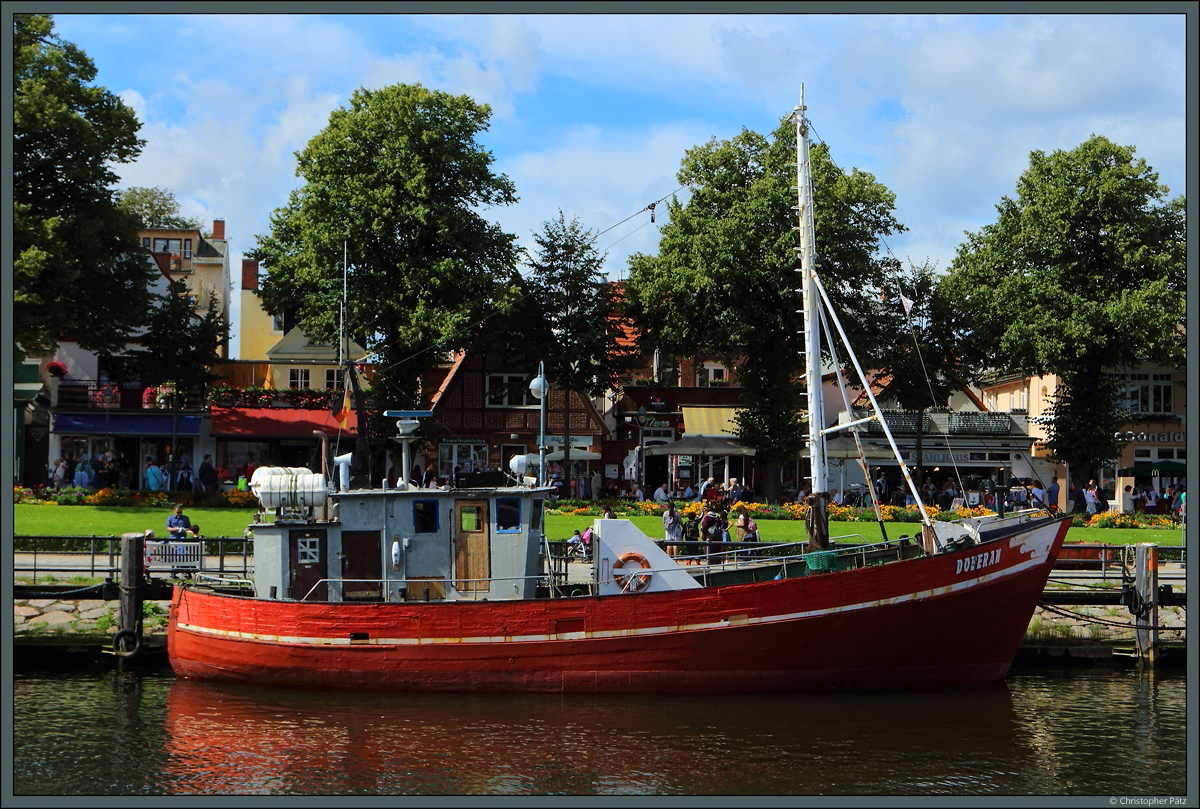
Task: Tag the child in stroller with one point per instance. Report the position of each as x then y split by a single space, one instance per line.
580 545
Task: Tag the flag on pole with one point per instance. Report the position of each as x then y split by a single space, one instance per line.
908 305
343 412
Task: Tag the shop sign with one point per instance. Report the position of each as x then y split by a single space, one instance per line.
658 402
1162 438
580 441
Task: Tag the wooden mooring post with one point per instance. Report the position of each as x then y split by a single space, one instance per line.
127 643
1143 598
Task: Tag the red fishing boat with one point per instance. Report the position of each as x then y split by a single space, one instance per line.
457 589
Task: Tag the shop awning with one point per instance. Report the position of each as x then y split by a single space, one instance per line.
126 423
268 421
711 421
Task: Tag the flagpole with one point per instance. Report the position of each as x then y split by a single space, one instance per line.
342 317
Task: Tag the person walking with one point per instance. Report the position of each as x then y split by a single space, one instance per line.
206 476
1127 500
1052 494
82 473
672 528
1037 494
154 476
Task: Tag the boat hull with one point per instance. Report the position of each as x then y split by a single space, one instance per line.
952 618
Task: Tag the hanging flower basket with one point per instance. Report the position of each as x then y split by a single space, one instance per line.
56 369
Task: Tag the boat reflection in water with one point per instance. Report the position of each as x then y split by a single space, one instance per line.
225 738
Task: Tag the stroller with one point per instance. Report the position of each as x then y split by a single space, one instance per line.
580 545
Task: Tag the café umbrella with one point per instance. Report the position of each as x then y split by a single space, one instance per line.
1155 469
706 445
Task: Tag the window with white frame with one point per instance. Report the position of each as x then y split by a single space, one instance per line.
308 550
1145 393
711 374
298 378
277 323
509 390
466 457
333 378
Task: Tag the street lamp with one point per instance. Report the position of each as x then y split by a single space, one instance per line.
643 420
539 388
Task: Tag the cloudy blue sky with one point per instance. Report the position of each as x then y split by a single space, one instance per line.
591 114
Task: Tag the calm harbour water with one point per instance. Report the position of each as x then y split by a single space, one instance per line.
1043 732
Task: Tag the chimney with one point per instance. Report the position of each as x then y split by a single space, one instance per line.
249 273
219 229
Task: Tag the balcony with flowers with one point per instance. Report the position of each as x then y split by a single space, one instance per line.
257 397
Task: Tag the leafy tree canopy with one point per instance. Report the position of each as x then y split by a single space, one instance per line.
154 208
181 344
72 245
724 282
1082 273
573 332
399 178
578 340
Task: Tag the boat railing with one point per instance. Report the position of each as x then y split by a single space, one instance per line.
462 593
223 582
720 556
724 555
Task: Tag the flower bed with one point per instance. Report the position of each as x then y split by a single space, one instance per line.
798 511
112 496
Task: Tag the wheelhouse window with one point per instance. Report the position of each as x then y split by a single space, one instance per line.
508 514
425 517
308 549
535 515
471 519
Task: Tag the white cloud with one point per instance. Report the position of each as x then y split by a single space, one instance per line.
592 113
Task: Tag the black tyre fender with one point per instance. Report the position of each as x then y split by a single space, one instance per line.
117 643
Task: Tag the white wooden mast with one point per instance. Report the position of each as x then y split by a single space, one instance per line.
812 323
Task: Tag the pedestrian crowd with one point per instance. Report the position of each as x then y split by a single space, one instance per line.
107 470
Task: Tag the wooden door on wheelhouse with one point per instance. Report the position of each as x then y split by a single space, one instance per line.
307 553
472 550
362 566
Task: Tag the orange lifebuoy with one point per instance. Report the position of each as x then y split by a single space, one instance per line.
633 581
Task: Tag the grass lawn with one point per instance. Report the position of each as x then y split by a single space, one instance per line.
116 520
231 522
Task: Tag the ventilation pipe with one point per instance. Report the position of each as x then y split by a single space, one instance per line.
343 464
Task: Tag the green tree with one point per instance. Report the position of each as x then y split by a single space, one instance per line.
575 335
924 365
154 208
399 180
179 348
79 271
724 282
1080 276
